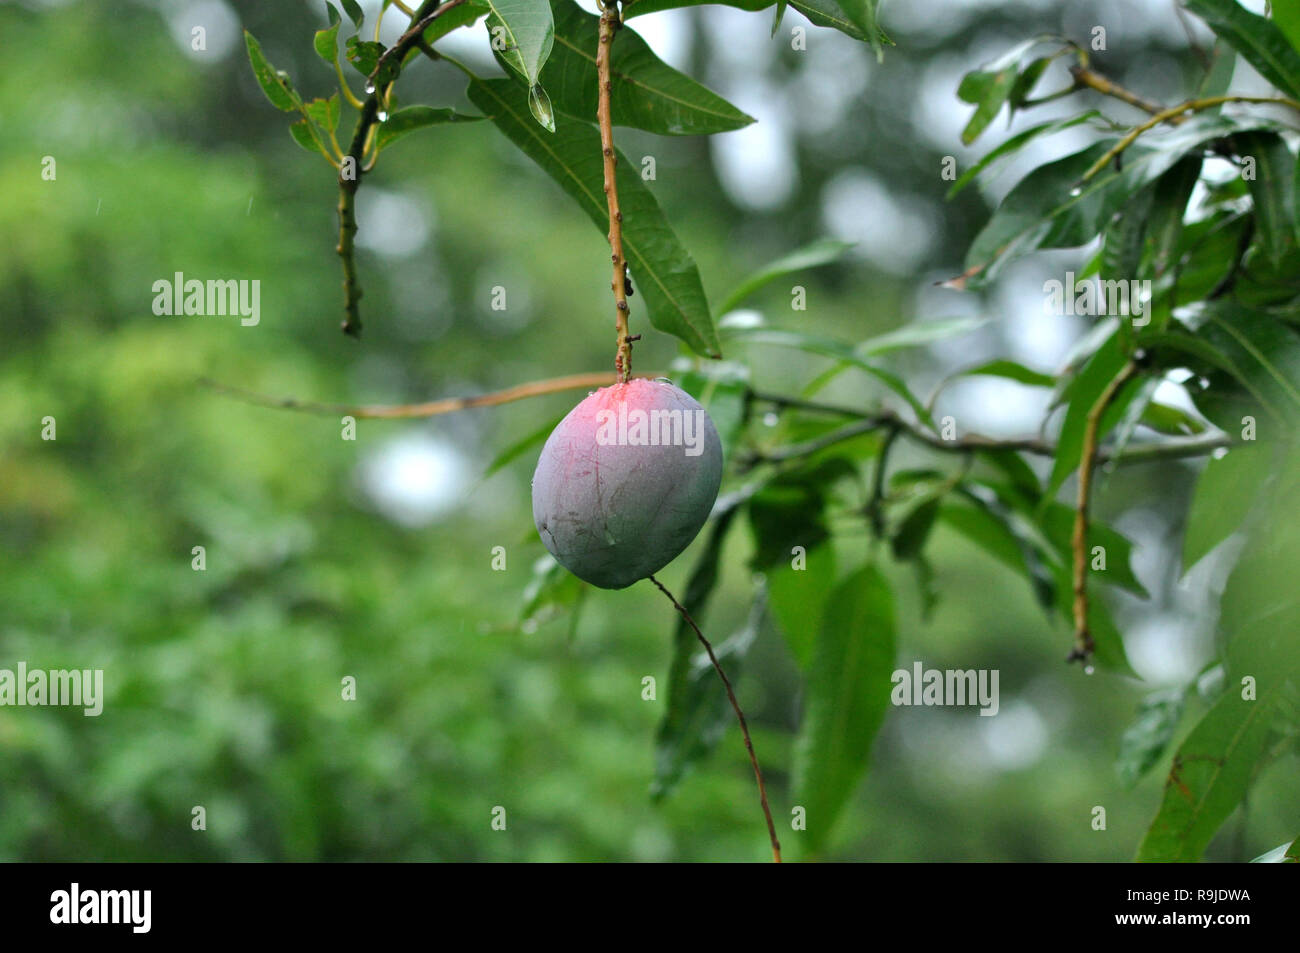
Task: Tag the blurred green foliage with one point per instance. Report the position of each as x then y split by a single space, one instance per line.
223 686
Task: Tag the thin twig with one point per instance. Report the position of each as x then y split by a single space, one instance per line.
609 24
1176 112
1086 78
428 409
740 716
1083 644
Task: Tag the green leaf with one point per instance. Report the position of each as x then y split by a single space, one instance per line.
1255 38
1211 773
1014 144
825 13
1011 371
693 721
646 93
1225 494
994 528
1053 208
843 352
917 334
354 12
551 592
364 55
909 539
1025 82
539 104
823 251
1264 351
275 84
1273 190
522 32
451 19
988 91
302 134
663 272
327 40
798 597
1168 206
417 117
324 112
790 511
521 446
847 696
1145 740
1286 15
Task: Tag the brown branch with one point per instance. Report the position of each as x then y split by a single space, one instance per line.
609 24
351 169
1083 644
428 409
740 716
1086 78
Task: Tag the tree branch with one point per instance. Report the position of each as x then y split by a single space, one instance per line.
740 716
428 409
1085 78
1083 644
609 24
351 169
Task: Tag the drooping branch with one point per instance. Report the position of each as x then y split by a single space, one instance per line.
609 24
1087 78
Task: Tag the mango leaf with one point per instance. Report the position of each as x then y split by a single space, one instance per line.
1168 207
452 19
694 720
551 592
847 696
988 91
830 348
797 598
1014 144
1272 187
994 528
646 93
1211 773
1225 494
364 55
909 539
275 83
823 251
417 117
521 446
917 334
1255 38
825 13
1009 370
789 511
1053 208
664 274
301 132
1146 739
522 32
1264 353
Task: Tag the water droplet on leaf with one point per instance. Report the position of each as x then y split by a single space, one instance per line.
1076 191
382 116
770 419
540 104
1219 453
370 89
1088 670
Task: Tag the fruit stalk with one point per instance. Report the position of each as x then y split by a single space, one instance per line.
609 24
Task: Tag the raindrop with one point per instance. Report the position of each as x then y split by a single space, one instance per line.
1203 383
383 116
370 89
1076 191
1088 670
1219 453
663 380
540 105
770 419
